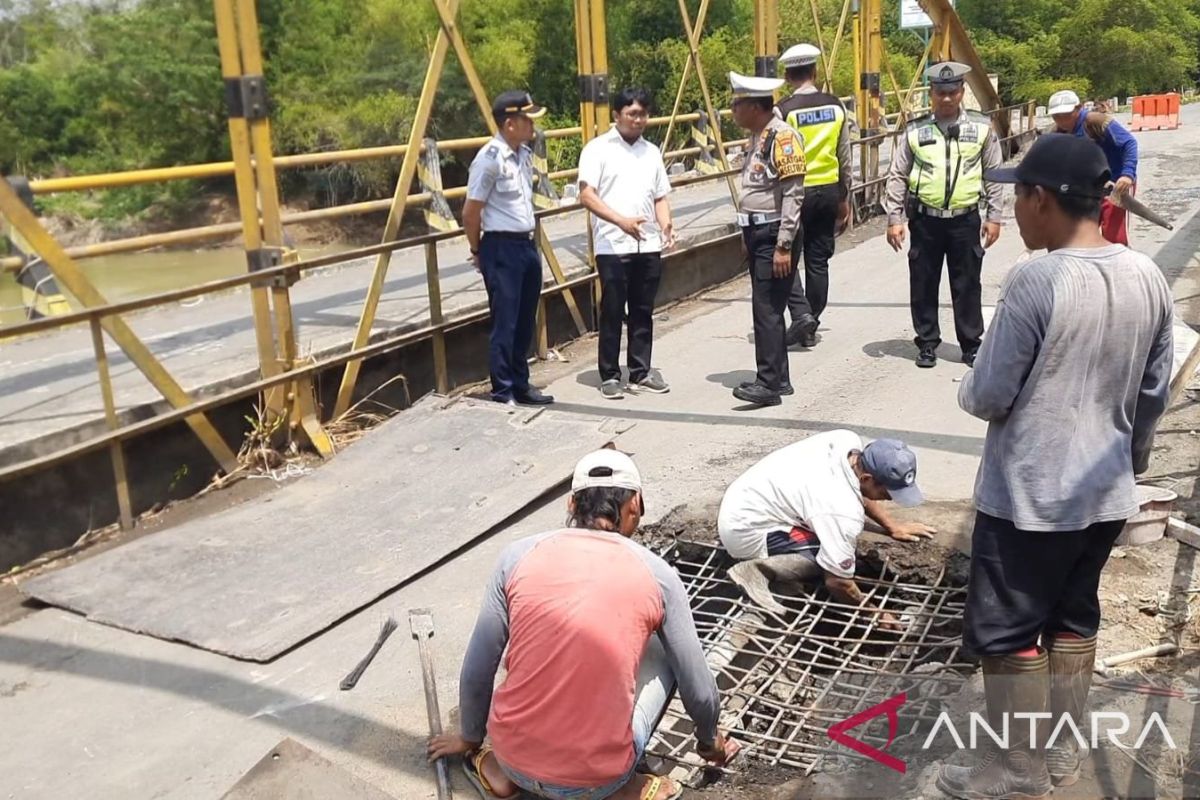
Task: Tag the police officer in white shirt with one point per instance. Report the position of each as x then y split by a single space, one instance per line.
498 220
797 513
623 182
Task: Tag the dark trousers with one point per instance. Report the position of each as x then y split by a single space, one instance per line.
768 300
512 274
955 241
627 281
819 216
1025 583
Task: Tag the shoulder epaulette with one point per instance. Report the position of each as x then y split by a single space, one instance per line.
492 151
921 120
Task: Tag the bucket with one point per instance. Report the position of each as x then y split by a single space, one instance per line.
1150 523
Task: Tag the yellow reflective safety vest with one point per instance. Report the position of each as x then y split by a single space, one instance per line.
947 170
819 118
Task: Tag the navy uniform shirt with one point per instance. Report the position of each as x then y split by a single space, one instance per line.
503 181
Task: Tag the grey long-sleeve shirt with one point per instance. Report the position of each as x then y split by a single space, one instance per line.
896 189
773 182
573 607
1072 378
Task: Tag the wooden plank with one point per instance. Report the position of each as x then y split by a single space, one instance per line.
257 579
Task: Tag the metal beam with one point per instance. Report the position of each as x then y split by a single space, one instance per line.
766 37
955 43
71 278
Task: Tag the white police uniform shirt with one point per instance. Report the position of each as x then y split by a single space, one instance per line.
503 181
629 178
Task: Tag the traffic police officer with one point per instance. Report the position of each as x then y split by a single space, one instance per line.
498 220
821 120
772 193
936 179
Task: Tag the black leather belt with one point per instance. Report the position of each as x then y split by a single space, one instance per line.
525 236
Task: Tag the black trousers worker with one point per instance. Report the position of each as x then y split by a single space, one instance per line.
818 216
627 281
768 298
512 274
956 241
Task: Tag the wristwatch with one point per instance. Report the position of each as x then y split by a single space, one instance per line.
783 247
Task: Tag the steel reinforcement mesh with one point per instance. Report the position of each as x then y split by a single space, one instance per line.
785 679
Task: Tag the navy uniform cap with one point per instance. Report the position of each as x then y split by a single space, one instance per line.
947 73
514 102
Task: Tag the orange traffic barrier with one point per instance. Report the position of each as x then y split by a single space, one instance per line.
1155 112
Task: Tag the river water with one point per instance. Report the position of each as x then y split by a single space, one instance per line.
128 276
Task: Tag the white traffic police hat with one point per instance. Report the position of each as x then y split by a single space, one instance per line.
947 73
746 86
800 55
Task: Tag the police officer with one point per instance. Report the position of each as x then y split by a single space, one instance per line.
936 179
498 220
821 120
772 192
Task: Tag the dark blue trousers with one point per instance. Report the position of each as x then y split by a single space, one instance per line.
512 273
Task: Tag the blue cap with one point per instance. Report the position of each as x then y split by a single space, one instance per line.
894 466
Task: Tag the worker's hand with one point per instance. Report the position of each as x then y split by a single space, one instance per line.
722 751
843 217
668 236
990 233
888 621
912 532
632 226
449 744
781 265
895 236
1123 185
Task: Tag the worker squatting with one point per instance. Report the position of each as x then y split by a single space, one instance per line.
595 632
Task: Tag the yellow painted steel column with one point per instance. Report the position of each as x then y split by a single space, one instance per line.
766 37
121 482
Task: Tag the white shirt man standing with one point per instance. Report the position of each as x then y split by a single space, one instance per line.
623 182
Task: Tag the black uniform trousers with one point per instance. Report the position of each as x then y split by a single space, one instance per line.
627 281
768 300
512 274
818 216
1026 583
955 241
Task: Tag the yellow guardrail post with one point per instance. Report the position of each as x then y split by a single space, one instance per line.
441 372
71 278
124 504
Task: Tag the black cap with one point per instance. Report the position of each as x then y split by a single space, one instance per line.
1072 165
514 102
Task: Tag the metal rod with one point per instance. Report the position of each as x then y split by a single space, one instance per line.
420 620
433 282
121 482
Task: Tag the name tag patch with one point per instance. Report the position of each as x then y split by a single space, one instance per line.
813 116
926 136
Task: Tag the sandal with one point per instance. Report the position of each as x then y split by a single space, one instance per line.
471 766
650 792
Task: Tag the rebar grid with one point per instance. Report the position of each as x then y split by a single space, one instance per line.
785 679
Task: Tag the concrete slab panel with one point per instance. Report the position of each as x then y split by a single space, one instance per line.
293 772
256 580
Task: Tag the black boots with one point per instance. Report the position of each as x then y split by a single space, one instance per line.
1012 684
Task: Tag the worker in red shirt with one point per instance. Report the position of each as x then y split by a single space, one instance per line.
599 633
1120 150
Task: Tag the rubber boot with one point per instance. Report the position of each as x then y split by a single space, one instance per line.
755 576
1012 684
1071 663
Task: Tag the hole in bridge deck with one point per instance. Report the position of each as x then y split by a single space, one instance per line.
785 679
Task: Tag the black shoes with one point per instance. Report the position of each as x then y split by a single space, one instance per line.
802 330
757 394
968 357
533 397
785 390
927 357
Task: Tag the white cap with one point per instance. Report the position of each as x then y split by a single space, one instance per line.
746 86
799 55
947 73
1063 102
606 468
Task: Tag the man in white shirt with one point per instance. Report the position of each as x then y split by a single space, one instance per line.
798 512
623 182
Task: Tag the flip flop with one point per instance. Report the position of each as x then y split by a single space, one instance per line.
650 792
474 773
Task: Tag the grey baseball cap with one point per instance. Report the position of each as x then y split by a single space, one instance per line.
894 465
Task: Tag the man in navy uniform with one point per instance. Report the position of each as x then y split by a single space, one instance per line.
821 119
498 220
937 181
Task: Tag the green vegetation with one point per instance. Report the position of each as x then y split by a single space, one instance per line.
98 85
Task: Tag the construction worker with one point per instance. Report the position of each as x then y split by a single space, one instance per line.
797 514
937 181
1120 149
1072 379
623 182
598 632
498 221
822 122
772 194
